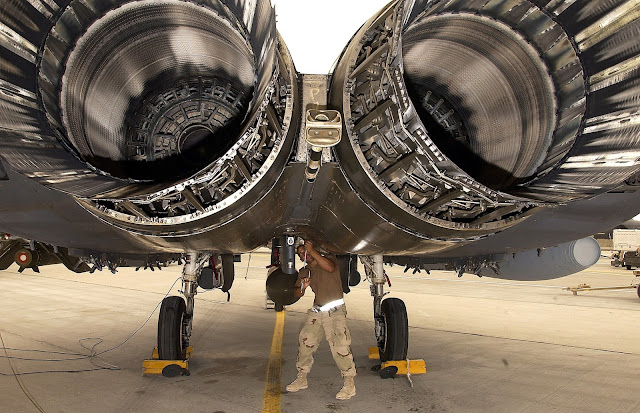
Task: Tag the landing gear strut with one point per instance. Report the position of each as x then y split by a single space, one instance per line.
390 315
176 314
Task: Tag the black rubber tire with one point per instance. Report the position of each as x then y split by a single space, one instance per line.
638 289
278 307
628 267
170 319
396 340
354 278
228 271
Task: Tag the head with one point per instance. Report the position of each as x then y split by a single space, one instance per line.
301 250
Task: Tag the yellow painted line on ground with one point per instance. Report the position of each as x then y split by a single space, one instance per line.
273 386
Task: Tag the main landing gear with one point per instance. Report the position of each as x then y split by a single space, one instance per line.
390 315
176 314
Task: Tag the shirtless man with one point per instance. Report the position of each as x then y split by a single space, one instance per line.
329 314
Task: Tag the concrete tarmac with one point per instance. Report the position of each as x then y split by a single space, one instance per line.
489 345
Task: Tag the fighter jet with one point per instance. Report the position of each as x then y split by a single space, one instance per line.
487 137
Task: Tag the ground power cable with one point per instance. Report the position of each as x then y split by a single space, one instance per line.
18 380
77 356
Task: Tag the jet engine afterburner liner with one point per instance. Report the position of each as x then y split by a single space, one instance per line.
124 98
154 113
464 116
227 187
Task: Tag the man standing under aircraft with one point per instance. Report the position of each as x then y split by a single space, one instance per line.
329 314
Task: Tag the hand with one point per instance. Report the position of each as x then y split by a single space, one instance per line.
304 282
308 245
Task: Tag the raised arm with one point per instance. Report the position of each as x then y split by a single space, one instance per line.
324 262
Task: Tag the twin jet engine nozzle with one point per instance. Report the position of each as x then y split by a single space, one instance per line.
455 119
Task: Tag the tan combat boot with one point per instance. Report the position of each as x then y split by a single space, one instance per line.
348 390
300 383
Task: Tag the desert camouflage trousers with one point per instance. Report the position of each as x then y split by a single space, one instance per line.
335 329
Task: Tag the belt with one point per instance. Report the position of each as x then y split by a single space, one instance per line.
329 307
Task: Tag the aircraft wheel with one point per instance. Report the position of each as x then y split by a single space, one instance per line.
628 267
279 307
170 329
228 271
354 278
396 330
638 290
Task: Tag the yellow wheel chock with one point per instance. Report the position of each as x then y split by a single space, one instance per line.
168 368
411 366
